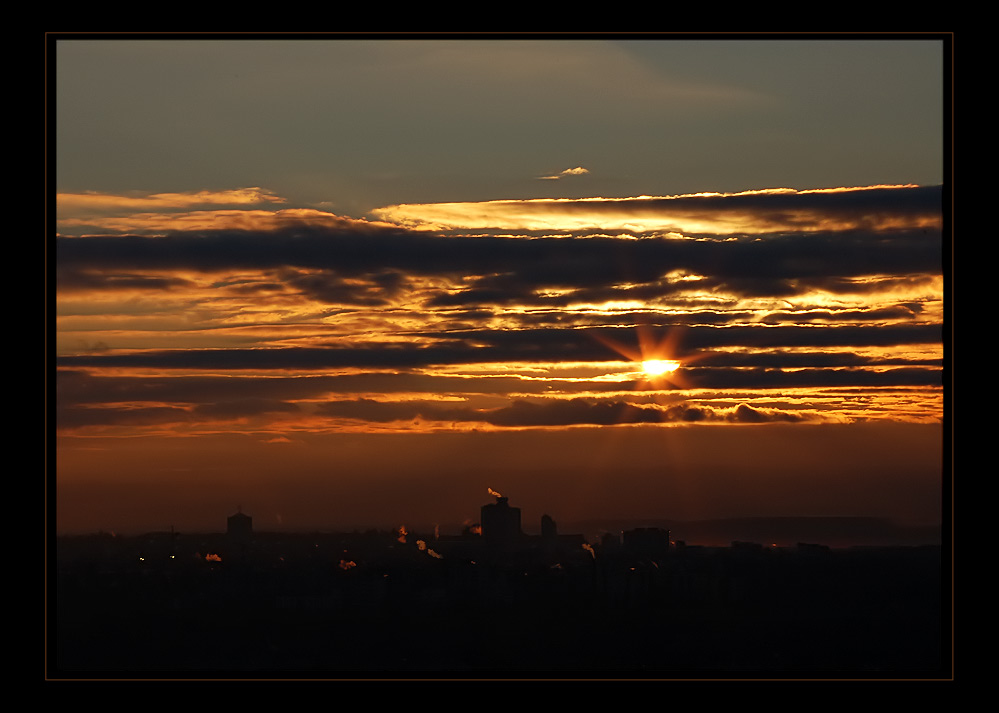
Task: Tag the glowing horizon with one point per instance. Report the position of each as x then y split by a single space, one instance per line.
330 271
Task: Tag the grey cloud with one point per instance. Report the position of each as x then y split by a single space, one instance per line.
331 288
590 343
368 268
554 317
783 207
515 264
552 412
78 280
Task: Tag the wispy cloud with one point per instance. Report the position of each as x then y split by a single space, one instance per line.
577 171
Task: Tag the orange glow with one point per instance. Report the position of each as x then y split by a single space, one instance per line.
658 367
215 220
685 213
212 558
102 202
423 548
278 357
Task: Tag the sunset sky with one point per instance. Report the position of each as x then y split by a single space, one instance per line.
345 282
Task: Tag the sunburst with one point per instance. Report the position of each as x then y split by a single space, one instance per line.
659 367
656 358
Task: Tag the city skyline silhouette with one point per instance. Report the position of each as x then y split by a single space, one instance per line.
561 605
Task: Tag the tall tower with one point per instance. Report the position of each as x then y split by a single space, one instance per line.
500 523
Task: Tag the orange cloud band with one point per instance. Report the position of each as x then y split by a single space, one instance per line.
710 213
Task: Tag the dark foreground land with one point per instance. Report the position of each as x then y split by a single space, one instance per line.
368 605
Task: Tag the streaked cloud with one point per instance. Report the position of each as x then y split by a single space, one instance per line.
748 212
321 322
82 213
94 202
205 220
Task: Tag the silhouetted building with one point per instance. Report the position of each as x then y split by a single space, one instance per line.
549 530
500 523
239 526
646 541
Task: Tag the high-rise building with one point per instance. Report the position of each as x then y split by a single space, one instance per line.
500 523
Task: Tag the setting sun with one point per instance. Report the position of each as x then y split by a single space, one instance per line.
658 367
